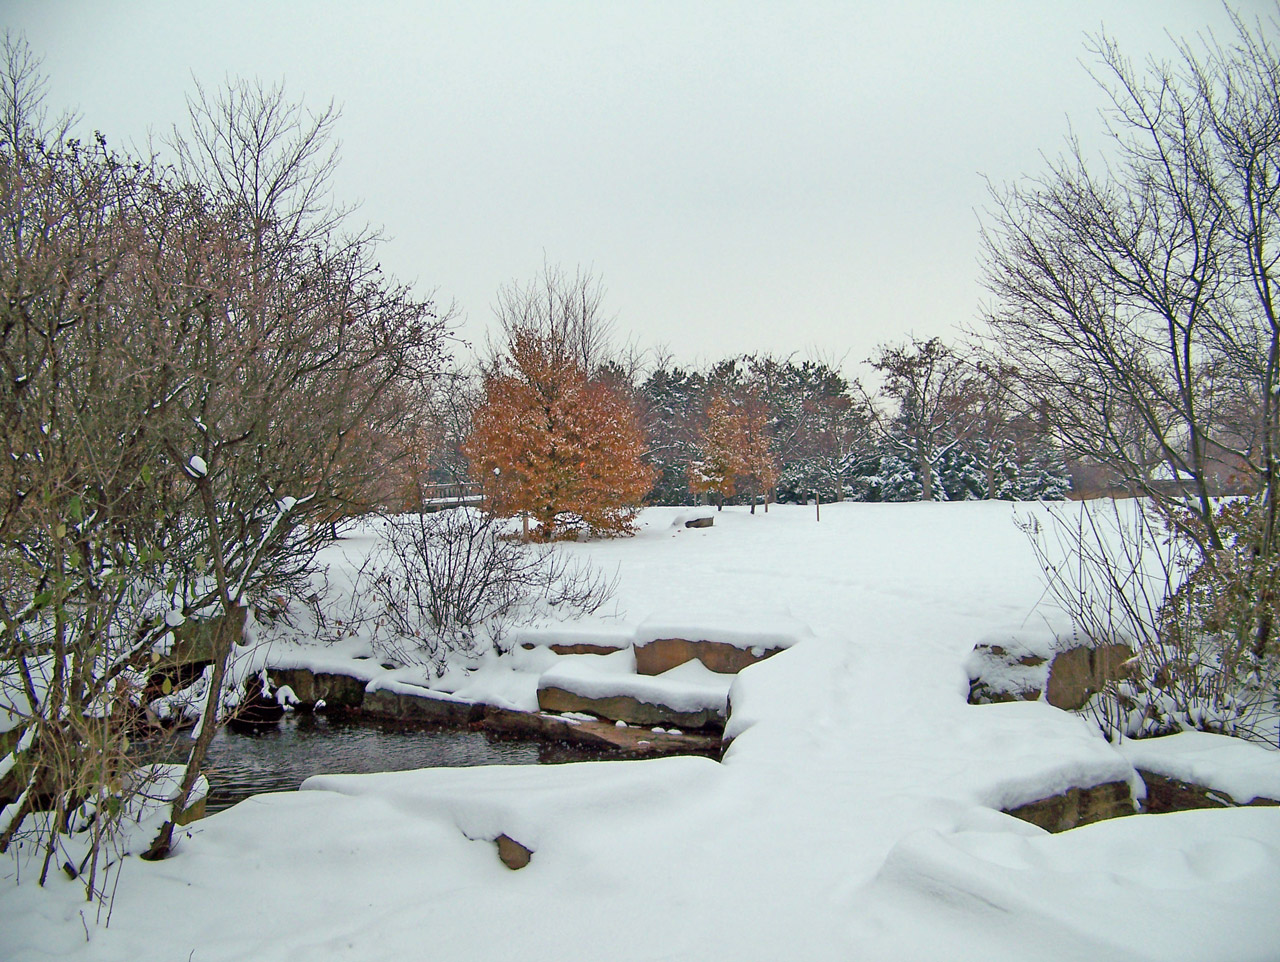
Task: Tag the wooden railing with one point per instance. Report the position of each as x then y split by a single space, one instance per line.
441 497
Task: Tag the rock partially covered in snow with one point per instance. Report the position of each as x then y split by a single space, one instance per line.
723 643
689 696
1221 769
1064 670
576 639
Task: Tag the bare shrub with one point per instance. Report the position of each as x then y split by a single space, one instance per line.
1122 576
453 580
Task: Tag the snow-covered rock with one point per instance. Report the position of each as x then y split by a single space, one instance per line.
689 696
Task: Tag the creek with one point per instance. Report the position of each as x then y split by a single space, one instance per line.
245 760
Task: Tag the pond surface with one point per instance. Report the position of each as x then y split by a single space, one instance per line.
246 760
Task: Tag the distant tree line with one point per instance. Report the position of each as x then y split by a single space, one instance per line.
554 431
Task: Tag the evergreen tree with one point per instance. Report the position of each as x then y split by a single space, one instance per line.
674 401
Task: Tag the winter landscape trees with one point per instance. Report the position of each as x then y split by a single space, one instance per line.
1137 300
816 434
202 368
198 363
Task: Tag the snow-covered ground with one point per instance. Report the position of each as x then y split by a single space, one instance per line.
855 816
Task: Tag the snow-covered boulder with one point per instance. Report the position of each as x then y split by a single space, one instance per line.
688 697
724 644
1024 666
1200 770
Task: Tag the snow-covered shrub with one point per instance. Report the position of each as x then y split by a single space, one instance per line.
897 480
1122 576
452 580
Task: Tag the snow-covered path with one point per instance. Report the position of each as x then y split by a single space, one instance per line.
854 817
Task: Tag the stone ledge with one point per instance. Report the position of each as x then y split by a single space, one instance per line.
663 654
628 709
1166 794
576 648
1077 806
420 709
602 735
1066 678
337 691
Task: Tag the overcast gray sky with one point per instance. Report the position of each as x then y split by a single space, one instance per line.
779 177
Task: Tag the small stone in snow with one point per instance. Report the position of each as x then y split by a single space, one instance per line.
513 854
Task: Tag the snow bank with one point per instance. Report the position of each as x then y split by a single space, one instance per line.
1188 885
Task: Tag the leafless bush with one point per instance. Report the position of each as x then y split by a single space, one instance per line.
1122 576
449 581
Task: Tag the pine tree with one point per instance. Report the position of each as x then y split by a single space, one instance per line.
674 401
897 480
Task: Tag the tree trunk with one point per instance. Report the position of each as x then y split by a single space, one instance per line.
223 643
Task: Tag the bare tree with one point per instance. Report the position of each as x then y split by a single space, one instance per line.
292 370
192 371
1137 298
936 393
563 310
24 114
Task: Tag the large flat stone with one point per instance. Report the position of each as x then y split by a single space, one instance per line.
663 654
601 735
1077 806
628 709
337 691
420 709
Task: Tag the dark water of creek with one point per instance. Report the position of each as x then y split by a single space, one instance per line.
244 761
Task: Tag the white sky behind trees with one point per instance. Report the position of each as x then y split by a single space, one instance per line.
775 177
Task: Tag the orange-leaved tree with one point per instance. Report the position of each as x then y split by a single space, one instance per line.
759 469
552 443
724 450
736 449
